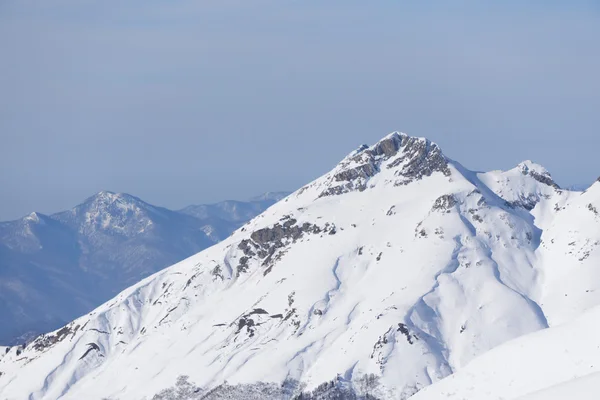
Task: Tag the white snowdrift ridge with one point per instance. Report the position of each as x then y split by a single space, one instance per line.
399 262
557 363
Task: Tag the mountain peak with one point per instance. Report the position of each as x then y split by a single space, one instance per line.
111 212
403 158
389 145
537 172
33 217
528 165
109 197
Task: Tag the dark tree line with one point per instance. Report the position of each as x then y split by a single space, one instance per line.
363 389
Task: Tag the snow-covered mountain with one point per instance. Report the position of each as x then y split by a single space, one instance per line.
58 267
393 271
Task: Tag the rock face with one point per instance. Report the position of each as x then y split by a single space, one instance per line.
411 159
269 244
397 278
55 268
444 203
538 173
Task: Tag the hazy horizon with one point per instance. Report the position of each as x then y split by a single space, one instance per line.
185 103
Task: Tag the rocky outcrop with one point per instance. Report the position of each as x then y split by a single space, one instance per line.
268 244
410 158
541 175
43 342
444 203
420 158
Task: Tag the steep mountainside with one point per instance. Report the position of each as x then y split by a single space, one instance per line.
387 274
56 268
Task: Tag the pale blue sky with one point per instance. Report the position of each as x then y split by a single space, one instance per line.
182 102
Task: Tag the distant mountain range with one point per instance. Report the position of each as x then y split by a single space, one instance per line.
54 268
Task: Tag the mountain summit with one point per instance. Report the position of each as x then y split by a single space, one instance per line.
387 274
400 158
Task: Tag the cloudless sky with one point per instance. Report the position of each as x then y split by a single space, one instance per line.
181 102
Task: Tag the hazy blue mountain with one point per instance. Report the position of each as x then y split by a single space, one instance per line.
57 267
235 211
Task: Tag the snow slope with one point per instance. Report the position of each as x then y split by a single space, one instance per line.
399 264
557 363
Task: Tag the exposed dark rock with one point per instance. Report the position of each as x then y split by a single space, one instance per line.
258 311
444 203
246 248
544 178
387 147
189 281
403 329
289 314
248 323
336 190
268 244
91 347
420 158
381 341
268 236
416 158
527 202
98 330
216 272
243 265
362 171
48 340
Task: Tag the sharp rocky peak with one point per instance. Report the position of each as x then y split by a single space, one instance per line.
35 218
537 172
407 158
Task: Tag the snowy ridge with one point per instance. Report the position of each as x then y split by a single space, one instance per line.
556 363
399 264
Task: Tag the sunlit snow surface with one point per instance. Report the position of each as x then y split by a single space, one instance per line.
398 262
